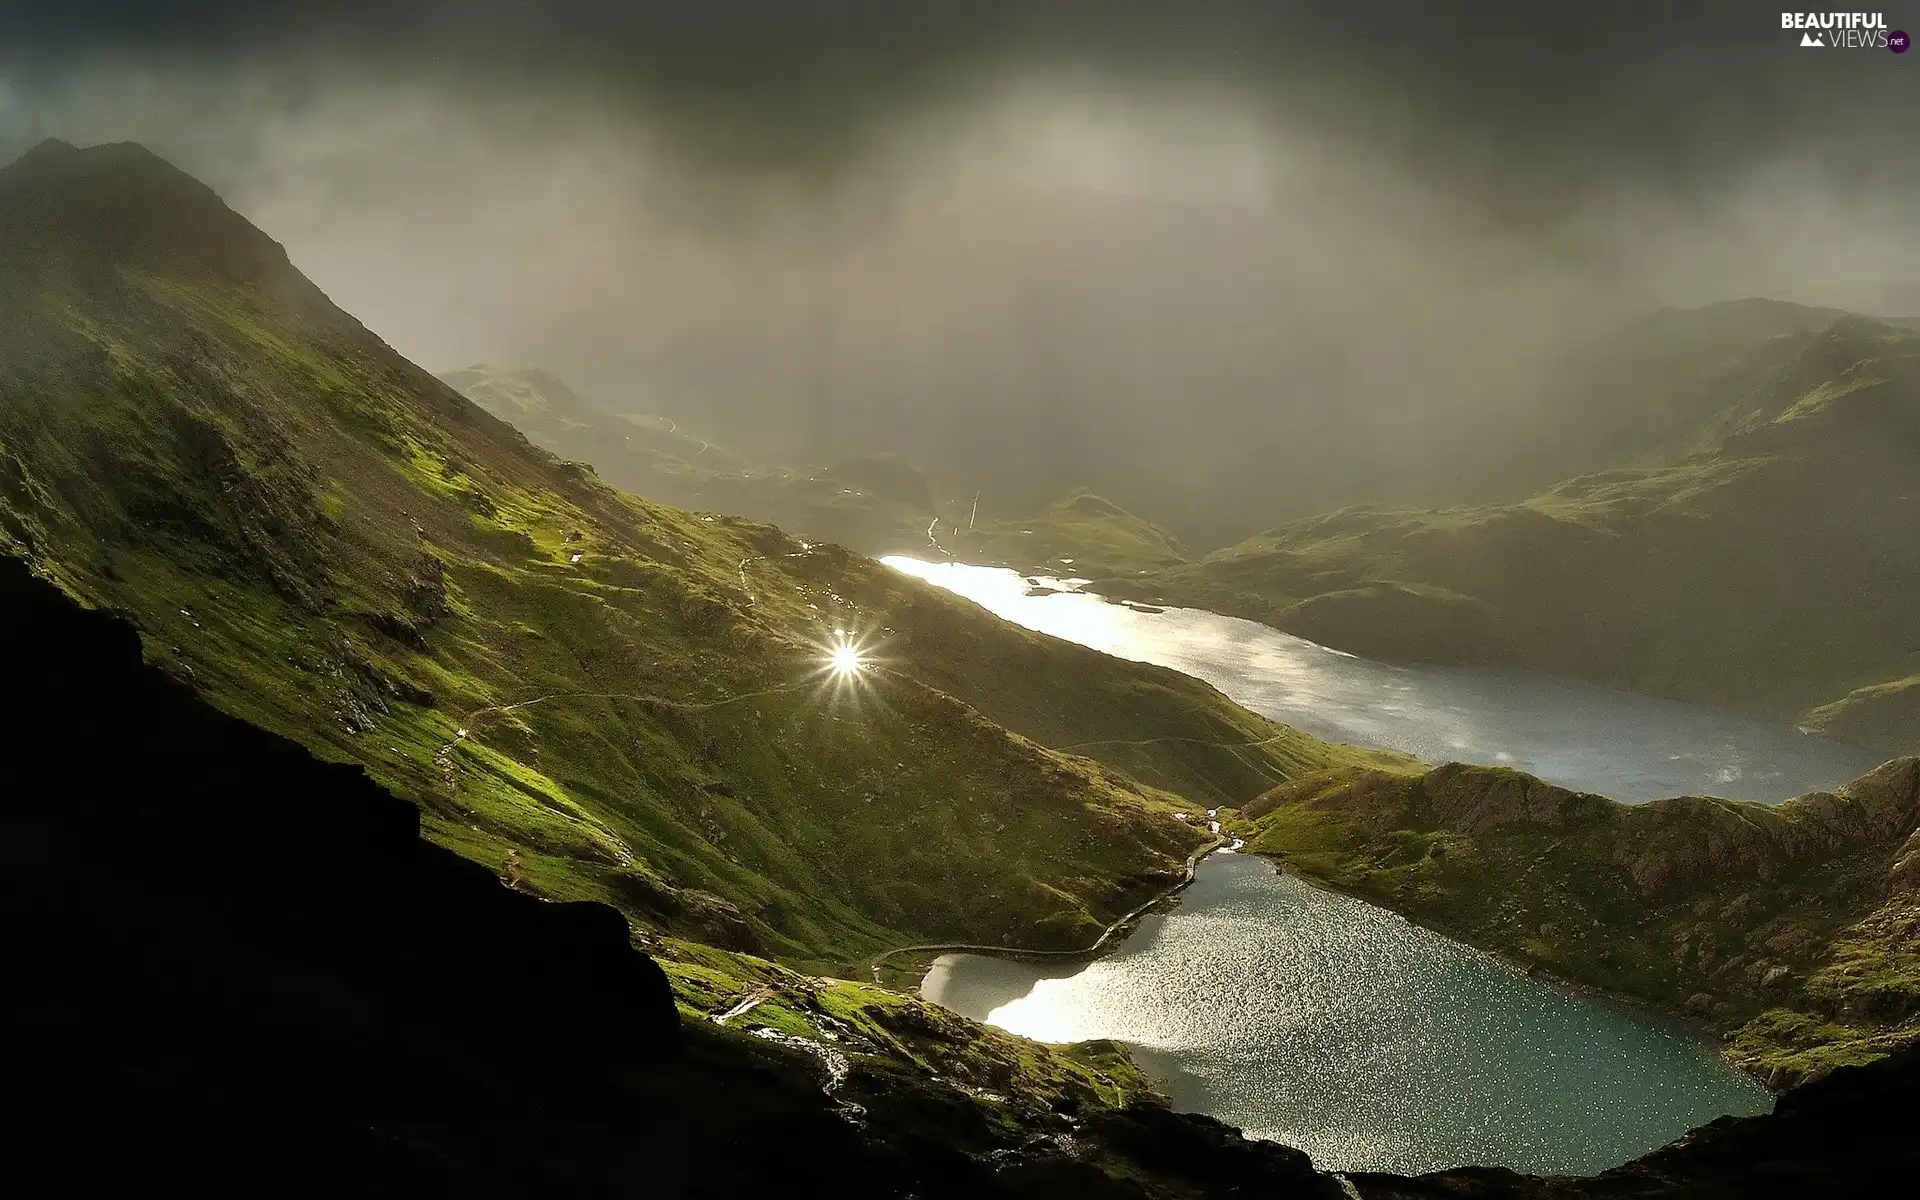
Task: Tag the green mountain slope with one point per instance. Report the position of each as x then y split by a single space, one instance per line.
1658 389
597 696
1776 572
875 503
1080 534
309 958
1792 928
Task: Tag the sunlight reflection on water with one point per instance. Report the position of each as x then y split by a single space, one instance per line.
1626 746
1323 1022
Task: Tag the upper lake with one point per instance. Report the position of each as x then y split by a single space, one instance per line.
1578 735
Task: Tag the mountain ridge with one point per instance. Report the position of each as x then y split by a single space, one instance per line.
874 503
1717 579
601 697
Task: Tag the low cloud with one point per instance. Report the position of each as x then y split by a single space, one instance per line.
1026 243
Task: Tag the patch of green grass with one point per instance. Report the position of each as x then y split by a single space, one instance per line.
330 543
1081 535
1016 1082
1884 715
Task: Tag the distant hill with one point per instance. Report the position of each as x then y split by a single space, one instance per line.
1775 571
875 503
1080 534
1661 388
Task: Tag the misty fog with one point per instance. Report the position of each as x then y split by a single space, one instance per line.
1223 288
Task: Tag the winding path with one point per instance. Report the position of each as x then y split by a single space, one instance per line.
1192 865
934 542
472 718
805 549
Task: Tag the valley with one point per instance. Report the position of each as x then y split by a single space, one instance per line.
565 684
1790 1013
1782 927
1825 988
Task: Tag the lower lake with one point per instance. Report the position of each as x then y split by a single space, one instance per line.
1335 1026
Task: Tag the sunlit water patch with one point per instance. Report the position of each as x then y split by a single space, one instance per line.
1329 1024
1626 746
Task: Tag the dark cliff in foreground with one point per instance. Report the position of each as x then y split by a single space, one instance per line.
207 927
235 964
231 959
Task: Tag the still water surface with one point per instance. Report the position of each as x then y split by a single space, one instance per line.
1329 1024
1335 1026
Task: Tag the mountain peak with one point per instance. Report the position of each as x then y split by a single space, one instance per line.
53 157
49 150
121 206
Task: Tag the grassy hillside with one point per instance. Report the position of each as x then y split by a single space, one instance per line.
1775 573
1791 928
599 697
1080 534
316 958
421 1031
876 503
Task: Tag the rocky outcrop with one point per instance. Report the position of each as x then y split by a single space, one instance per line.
1666 845
1476 799
1885 716
1787 927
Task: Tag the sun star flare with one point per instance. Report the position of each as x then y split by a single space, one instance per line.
845 660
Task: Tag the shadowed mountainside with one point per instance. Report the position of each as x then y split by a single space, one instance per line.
1666 385
248 961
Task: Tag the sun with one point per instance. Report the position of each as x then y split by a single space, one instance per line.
845 660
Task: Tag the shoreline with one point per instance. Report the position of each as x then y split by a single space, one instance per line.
1100 944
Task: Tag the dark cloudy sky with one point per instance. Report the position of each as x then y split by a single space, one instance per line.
1575 87
846 221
